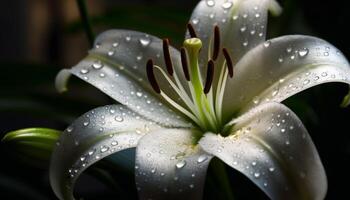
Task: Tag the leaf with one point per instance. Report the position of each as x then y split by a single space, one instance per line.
346 101
34 144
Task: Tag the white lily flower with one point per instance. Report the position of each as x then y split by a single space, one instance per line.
218 96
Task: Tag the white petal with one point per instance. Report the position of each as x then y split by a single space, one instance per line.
95 135
170 166
116 66
242 24
281 68
272 148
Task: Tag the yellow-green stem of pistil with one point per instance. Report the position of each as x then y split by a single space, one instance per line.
206 115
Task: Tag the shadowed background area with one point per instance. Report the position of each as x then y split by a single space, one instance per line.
38 38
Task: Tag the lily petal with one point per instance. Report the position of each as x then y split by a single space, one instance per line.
95 135
282 67
116 66
169 166
242 25
272 148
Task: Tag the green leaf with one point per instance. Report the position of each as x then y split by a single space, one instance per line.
32 144
346 101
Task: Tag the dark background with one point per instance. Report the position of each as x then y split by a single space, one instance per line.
40 37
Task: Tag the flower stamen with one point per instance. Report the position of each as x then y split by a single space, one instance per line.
210 77
217 39
228 62
191 31
167 57
184 63
150 75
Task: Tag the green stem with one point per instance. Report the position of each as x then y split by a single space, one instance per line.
85 21
220 174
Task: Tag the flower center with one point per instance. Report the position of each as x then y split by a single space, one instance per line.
202 99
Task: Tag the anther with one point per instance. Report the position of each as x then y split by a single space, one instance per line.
185 63
167 58
210 76
150 75
191 30
216 48
228 62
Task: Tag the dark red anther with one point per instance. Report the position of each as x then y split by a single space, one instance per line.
185 64
228 62
150 75
217 40
191 30
210 76
167 58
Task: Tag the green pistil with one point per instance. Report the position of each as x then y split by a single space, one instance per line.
206 115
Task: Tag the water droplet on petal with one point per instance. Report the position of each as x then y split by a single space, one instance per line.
195 21
181 164
243 29
227 5
302 53
84 71
119 118
267 44
202 158
97 65
110 52
210 3
104 149
145 42
271 169
114 143
256 174
115 44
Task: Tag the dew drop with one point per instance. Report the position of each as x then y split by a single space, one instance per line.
324 74
191 186
97 65
115 44
283 130
104 149
256 174
302 53
202 158
210 3
82 158
243 29
289 49
181 164
235 17
114 143
254 163
86 123
119 118
195 21
257 15
102 75
70 129
267 44
245 43
271 169
128 38
110 52
212 15
144 41
91 152
307 81
280 60
84 71
227 5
